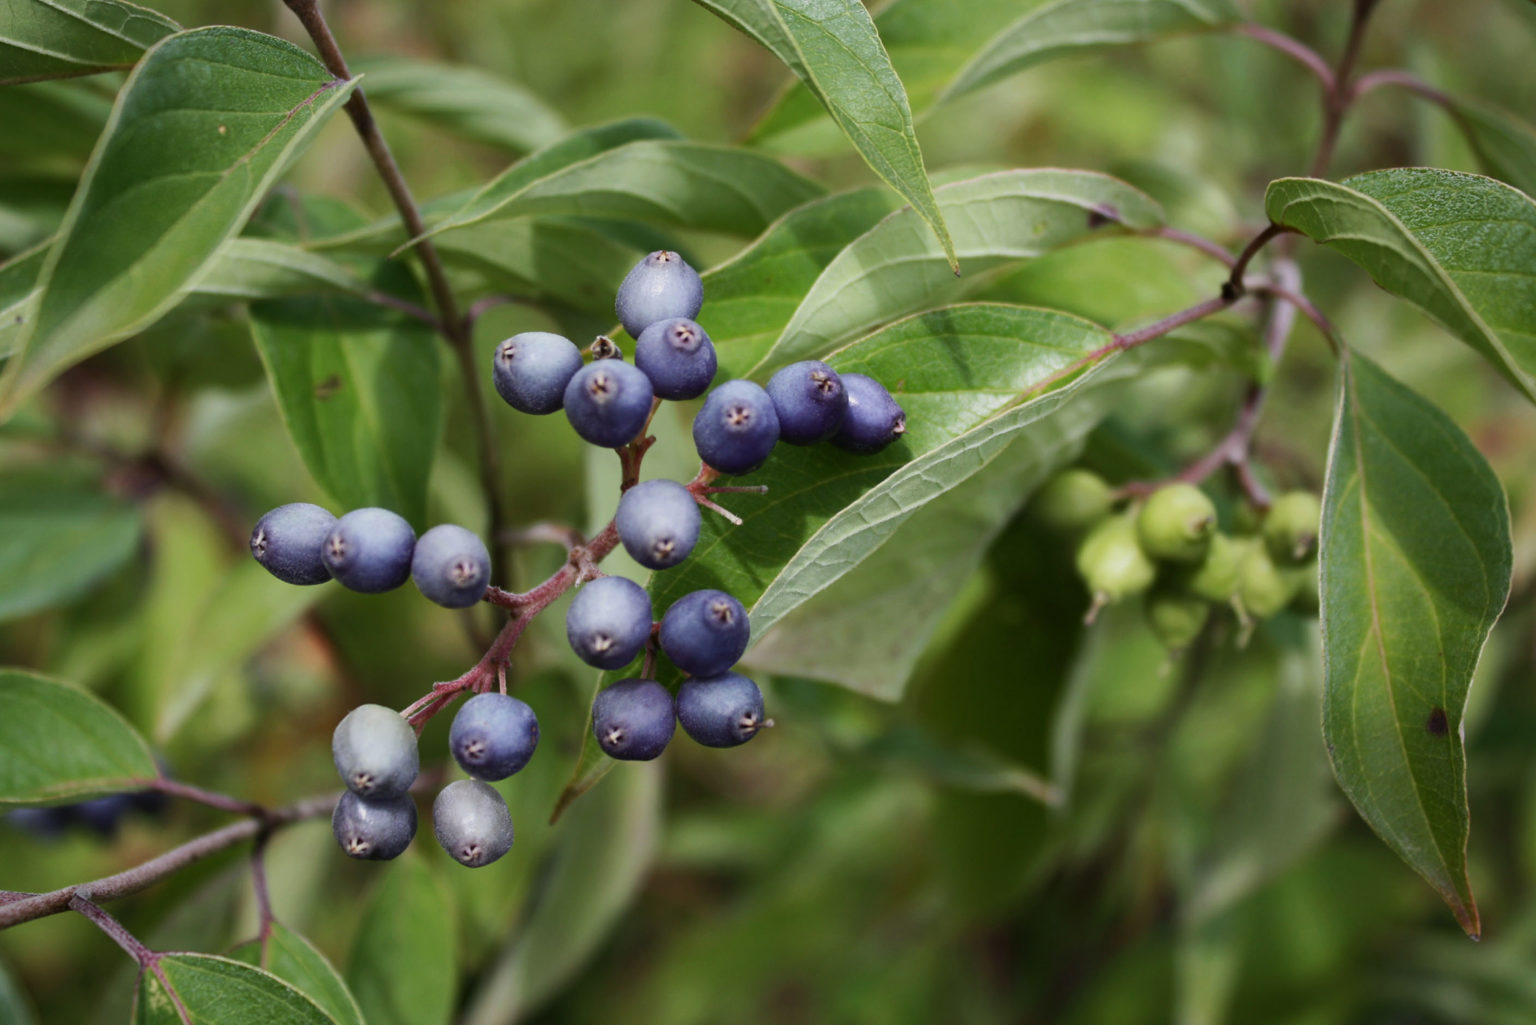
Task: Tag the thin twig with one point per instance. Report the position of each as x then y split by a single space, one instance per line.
1214 250
1295 49
174 788
1235 284
1338 97
263 895
26 907
1403 80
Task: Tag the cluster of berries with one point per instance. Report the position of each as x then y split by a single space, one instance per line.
374 748
1169 549
101 815
609 403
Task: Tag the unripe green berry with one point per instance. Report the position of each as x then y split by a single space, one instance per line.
1214 578
1176 523
1111 561
1290 529
1263 588
1074 499
1175 617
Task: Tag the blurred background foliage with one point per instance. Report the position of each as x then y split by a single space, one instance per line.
869 860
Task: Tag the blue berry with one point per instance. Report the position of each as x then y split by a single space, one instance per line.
874 419
375 830
493 735
704 633
608 402
660 287
451 566
608 622
369 550
678 357
103 814
287 541
737 428
721 711
531 370
374 749
658 522
810 401
472 823
43 823
633 720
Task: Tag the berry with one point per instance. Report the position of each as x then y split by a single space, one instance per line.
531 370
704 633
609 622
810 401
493 736
678 357
376 830
103 814
374 749
1073 500
1214 578
608 402
472 823
874 419
1111 561
1176 523
721 711
1264 589
660 287
1176 618
287 541
1290 527
42 823
451 566
369 550
633 720
737 428
658 522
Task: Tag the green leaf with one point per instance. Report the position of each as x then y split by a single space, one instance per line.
57 38
59 534
357 385
18 293
564 262
1504 144
402 968
662 181
832 47
753 296
295 960
14 1008
465 101
49 120
58 742
972 767
203 127
896 268
1415 551
257 268
218 991
1459 246
1085 26
928 41
601 860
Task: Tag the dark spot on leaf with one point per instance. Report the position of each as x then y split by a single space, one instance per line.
1101 215
1437 724
328 387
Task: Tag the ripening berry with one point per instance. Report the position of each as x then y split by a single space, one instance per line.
661 286
493 735
1176 522
530 370
471 821
874 419
369 550
1073 500
704 633
608 402
608 622
737 428
375 830
1264 589
1111 561
451 566
1175 617
658 523
1291 527
374 749
1214 577
678 357
721 711
287 541
810 401
633 720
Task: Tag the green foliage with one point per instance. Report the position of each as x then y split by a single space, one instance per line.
295 960
402 968
58 38
59 742
1416 566
216 990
